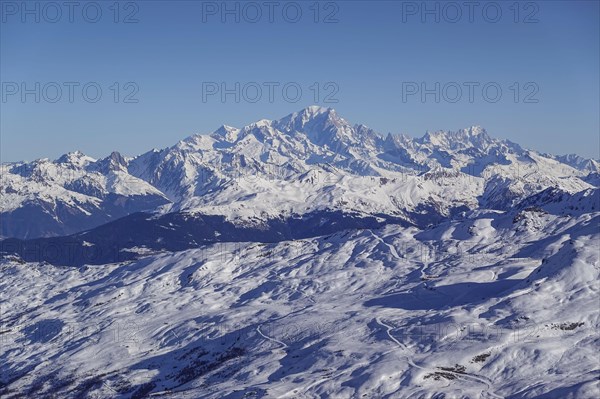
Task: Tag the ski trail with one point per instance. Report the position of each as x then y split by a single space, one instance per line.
282 345
390 246
482 380
389 328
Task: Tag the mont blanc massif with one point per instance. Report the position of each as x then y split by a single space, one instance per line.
304 257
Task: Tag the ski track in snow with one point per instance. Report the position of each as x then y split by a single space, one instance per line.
281 344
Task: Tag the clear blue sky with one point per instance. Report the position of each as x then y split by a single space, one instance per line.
370 54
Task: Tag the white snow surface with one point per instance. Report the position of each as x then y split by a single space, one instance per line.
492 306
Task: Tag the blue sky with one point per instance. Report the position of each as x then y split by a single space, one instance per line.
370 54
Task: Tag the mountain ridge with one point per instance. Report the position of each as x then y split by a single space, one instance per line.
263 167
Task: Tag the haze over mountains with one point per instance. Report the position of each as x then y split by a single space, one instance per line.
302 258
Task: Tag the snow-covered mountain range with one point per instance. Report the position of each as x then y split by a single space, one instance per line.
310 161
303 258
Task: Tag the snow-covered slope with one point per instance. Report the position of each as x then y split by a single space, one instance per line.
491 306
309 161
73 193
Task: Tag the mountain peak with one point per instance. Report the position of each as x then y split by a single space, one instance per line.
261 123
311 112
316 110
310 116
227 132
75 158
475 130
474 136
224 129
114 162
